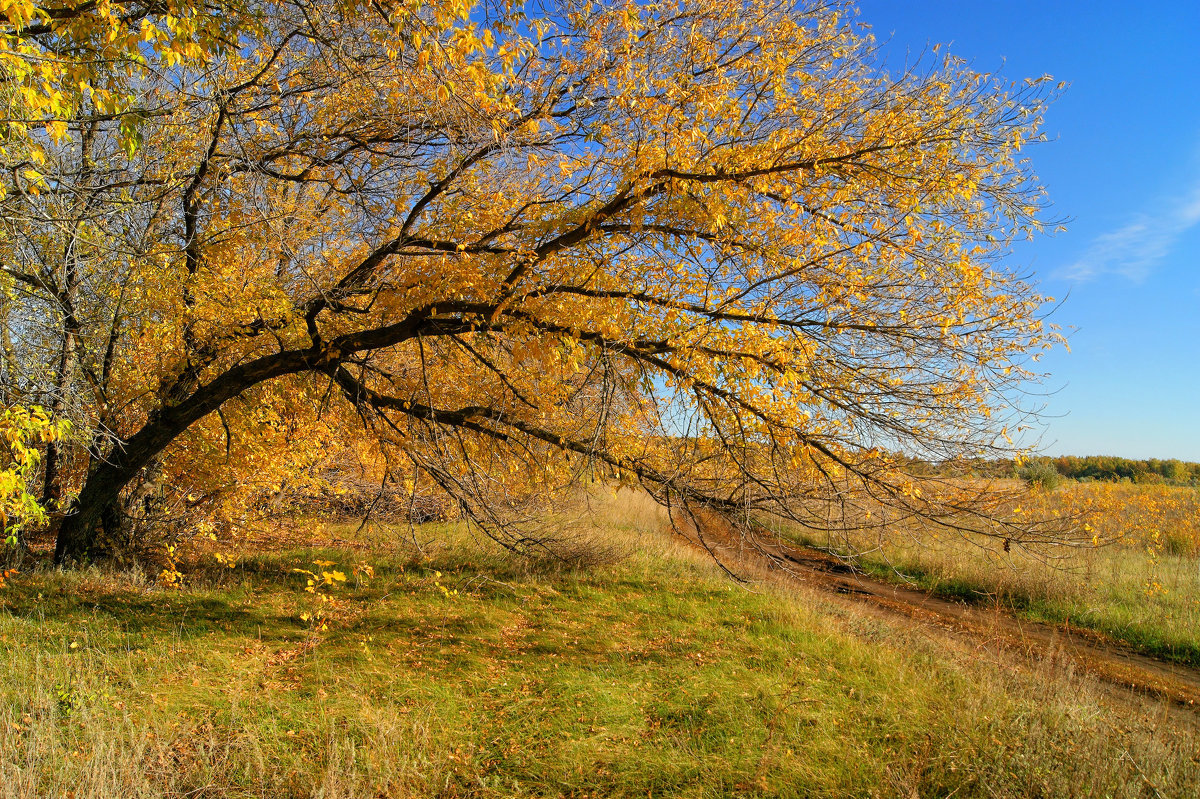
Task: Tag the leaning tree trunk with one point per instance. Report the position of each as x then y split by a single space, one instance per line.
78 531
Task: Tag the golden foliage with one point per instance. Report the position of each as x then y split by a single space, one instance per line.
712 248
22 431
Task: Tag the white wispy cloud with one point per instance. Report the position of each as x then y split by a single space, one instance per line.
1135 248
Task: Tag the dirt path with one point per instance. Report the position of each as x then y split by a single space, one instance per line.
1088 651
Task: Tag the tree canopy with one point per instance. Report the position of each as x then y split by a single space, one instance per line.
717 249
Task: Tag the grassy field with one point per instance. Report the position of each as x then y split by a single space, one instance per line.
462 671
1139 583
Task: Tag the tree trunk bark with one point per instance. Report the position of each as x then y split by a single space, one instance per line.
55 452
68 295
77 532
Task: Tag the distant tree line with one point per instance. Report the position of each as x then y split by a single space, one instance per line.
1047 471
1111 467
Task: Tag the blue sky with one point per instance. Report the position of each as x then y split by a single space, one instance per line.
1123 167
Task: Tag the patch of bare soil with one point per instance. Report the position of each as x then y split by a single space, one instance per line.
1086 651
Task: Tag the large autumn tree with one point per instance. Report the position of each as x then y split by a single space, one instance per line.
714 248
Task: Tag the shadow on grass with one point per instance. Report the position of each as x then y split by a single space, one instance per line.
264 596
151 614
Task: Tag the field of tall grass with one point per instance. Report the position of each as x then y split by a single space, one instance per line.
455 669
1137 581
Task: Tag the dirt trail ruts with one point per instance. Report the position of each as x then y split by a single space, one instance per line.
1110 661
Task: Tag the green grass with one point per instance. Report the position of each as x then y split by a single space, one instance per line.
652 675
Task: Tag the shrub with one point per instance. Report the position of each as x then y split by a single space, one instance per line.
1040 474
